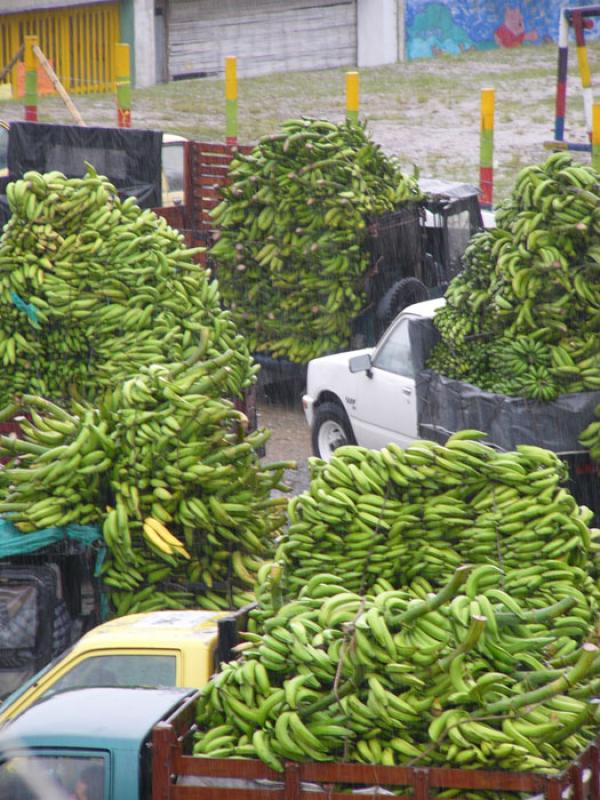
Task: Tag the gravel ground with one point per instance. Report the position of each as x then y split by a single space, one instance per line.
290 436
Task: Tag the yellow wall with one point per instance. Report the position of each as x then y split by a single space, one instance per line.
78 41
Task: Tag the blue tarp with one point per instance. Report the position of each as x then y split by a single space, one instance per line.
14 543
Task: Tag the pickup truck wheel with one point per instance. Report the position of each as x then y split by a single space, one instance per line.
331 429
400 294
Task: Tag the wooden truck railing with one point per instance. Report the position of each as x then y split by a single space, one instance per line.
206 167
171 740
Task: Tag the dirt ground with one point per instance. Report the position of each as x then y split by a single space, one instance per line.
425 112
290 436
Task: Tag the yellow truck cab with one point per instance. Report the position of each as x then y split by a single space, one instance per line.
153 649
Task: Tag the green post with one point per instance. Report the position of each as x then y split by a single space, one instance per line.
231 100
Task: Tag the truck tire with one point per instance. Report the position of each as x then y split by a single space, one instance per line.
400 294
331 429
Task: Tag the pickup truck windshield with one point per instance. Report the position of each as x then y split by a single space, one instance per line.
119 670
52 777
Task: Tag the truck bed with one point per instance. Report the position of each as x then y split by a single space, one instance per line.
176 775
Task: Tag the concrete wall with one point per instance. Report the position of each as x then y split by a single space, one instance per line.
144 46
377 32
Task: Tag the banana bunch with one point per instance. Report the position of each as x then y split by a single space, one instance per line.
530 285
92 287
169 470
292 252
463 676
590 437
396 514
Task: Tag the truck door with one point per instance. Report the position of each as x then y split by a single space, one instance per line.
386 407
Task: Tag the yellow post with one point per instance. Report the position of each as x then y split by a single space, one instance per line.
486 148
352 96
31 87
123 85
231 100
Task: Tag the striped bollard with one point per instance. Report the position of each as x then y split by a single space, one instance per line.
352 96
596 137
486 148
31 80
231 101
123 85
561 78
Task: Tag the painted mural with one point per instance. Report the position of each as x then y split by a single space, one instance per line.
436 27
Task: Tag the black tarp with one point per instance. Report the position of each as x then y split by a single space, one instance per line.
129 158
395 245
445 405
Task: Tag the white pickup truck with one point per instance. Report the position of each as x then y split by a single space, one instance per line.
368 396
385 394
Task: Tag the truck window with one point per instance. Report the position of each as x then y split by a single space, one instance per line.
29 777
172 163
459 233
119 670
395 354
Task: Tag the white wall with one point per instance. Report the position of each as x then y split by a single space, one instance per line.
377 30
145 56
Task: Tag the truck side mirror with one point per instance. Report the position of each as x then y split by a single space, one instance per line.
360 363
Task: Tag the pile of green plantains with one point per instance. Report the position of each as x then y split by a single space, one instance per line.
395 514
91 288
292 255
434 605
523 318
171 471
462 677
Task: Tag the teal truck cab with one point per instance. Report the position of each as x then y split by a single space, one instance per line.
92 743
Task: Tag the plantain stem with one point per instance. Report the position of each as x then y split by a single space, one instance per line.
578 671
446 593
537 614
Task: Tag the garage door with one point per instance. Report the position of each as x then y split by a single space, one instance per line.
265 35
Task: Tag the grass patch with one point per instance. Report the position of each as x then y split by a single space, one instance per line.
425 112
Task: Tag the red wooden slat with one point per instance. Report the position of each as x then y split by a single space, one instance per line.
182 792
553 789
215 160
576 778
203 176
292 781
249 769
211 193
174 215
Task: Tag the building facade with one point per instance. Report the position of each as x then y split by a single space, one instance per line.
175 39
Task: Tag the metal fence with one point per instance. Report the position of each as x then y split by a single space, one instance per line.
78 41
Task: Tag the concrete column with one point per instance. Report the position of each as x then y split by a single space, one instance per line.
377 32
145 51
